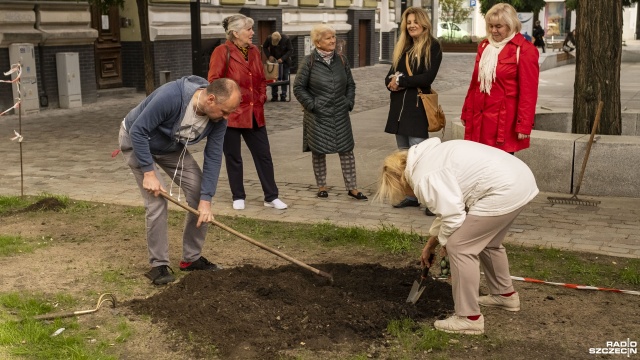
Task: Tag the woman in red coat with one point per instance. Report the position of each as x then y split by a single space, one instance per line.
500 106
239 60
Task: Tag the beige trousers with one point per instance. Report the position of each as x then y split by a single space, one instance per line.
479 239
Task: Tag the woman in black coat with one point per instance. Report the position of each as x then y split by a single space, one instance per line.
407 118
325 88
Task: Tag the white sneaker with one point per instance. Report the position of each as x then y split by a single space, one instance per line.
509 303
238 204
461 325
277 204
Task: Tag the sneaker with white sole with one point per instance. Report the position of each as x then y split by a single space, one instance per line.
461 325
238 204
276 204
509 303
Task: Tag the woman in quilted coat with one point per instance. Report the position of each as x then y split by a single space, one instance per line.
500 106
325 88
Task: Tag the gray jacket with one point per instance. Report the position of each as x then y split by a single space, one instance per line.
153 124
327 93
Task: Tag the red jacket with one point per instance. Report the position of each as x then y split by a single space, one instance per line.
496 119
250 77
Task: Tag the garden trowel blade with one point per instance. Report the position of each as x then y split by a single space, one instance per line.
416 290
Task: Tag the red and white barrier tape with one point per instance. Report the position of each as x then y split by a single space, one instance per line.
14 68
575 286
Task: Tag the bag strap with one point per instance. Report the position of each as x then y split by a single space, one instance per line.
410 72
226 70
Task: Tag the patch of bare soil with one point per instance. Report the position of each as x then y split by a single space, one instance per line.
262 307
251 312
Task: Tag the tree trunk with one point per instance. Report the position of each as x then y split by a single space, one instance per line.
143 15
598 56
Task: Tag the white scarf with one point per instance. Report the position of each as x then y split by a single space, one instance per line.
489 62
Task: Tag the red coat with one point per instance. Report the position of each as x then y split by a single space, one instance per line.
250 77
496 119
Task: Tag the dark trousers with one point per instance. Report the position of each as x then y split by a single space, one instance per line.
283 75
258 143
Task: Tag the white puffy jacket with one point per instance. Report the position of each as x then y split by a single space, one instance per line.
459 177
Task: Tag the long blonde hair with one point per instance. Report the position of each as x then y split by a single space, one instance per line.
393 184
421 49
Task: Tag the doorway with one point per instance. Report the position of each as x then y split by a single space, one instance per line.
363 42
107 48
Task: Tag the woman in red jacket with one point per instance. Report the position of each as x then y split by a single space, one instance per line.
239 60
500 106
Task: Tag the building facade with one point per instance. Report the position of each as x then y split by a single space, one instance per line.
110 48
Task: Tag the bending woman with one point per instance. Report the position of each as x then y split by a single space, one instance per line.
476 192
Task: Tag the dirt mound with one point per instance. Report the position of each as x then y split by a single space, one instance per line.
46 204
251 312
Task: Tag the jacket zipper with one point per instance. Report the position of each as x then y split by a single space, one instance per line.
402 108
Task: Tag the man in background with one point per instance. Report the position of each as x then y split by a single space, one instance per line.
278 49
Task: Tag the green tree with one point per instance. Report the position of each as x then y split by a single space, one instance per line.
453 11
143 18
533 6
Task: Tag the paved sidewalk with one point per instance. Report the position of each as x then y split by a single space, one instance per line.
68 151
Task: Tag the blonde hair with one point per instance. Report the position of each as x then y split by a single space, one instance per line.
235 23
503 13
421 49
275 38
393 184
319 30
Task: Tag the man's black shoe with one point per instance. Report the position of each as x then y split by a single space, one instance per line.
406 203
428 213
159 275
201 264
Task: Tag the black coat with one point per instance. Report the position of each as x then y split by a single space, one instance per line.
538 36
327 93
406 113
283 50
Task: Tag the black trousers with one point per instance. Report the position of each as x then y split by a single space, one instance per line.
258 143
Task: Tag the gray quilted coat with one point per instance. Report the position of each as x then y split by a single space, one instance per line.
327 93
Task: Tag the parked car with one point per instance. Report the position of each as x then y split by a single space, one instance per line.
451 31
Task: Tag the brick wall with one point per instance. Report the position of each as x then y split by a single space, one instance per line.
173 56
388 45
133 65
6 94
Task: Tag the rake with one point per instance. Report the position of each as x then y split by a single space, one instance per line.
103 298
573 200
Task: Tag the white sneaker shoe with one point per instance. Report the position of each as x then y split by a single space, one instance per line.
238 204
277 204
509 303
461 325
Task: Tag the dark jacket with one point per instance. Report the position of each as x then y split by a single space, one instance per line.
406 113
153 124
538 36
327 93
283 50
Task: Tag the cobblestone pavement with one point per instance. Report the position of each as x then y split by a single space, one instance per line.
68 151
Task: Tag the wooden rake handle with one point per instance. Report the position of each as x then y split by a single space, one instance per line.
594 128
246 238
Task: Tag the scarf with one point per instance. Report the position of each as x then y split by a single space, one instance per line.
244 51
489 62
326 55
